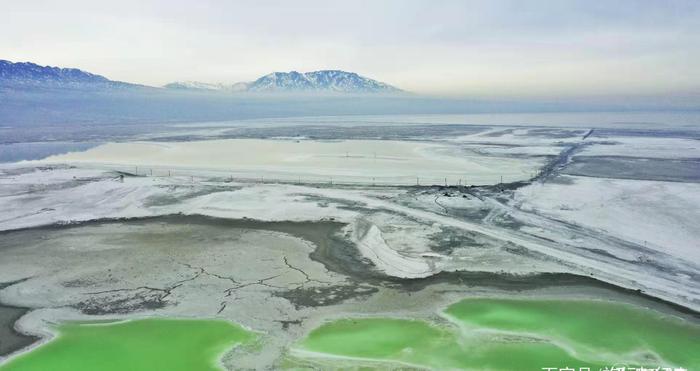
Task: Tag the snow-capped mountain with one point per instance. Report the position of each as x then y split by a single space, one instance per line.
193 85
26 74
320 81
196 85
291 82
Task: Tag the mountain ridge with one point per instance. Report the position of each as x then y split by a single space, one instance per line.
324 81
28 75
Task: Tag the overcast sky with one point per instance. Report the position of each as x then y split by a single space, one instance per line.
463 48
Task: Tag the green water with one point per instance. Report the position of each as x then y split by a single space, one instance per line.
502 334
148 345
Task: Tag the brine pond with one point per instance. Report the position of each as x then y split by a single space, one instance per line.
475 333
145 344
510 334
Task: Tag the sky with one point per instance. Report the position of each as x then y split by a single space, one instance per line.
507 49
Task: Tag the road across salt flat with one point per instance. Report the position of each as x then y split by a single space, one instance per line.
347 161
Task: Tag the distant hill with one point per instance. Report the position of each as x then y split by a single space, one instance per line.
203 86
333 81
29 75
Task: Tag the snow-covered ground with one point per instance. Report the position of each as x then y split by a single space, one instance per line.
645 147
59 198
523 137
567 224
535 150
659 215
350 161
395 235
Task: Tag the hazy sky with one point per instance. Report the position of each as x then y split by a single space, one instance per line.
466 48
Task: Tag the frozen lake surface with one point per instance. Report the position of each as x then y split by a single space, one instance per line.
342 161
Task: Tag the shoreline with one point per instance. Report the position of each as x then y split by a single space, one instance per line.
8 330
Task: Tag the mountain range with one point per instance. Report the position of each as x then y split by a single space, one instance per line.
25 75
28 75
